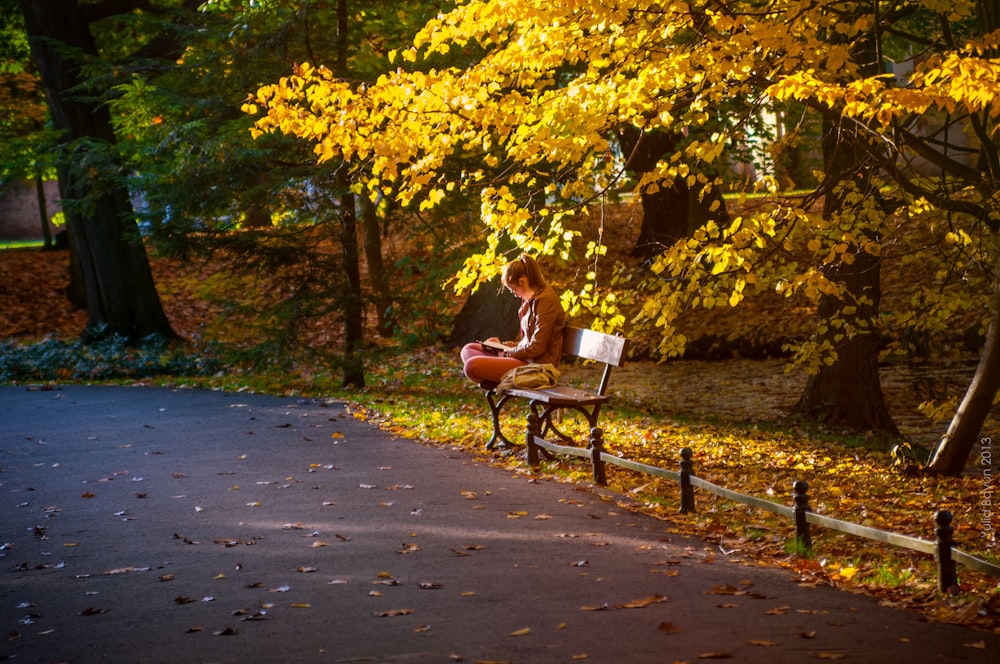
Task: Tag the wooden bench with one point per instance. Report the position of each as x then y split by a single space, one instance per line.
581 343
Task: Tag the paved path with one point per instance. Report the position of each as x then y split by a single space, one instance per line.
154 525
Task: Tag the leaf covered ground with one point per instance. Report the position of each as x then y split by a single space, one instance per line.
729 412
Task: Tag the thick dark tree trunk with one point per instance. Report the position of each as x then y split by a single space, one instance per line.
668 213
121 296
848 393
964 432
489 312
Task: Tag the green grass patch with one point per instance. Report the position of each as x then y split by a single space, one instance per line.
21 244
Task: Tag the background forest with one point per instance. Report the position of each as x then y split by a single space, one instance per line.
316 197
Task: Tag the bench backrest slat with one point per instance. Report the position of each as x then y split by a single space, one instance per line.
592 345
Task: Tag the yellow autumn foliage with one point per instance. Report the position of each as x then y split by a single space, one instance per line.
554 81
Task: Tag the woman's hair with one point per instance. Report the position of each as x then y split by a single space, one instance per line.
525 266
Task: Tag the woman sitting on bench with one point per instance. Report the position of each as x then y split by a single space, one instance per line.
542 322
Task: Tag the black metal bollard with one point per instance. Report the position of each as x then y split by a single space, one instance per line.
803 538
687 489
947 576
596 448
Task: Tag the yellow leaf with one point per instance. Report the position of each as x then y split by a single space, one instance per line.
524 631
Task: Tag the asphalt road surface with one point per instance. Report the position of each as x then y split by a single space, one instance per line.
156 525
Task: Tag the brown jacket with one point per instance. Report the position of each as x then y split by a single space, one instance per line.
542 322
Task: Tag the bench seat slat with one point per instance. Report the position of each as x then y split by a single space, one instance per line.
560 395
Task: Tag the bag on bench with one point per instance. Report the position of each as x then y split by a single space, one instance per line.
528 376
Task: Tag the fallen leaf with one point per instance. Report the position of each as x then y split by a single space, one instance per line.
640 603
307 570
669 628
393 613
125 570
980 645
247 615
181 599
524 631
831 655
758 642
92 611
601 607
87 494
715 655
229 631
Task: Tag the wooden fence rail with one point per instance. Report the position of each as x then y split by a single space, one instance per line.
942 547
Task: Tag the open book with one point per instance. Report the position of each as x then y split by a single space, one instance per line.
495 346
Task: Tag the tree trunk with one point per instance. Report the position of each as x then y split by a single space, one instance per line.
489 312
43 212
353 308
952 453
849 393
382 294
121 296
354 322
669 213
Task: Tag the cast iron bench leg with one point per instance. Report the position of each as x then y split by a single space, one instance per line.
497 438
